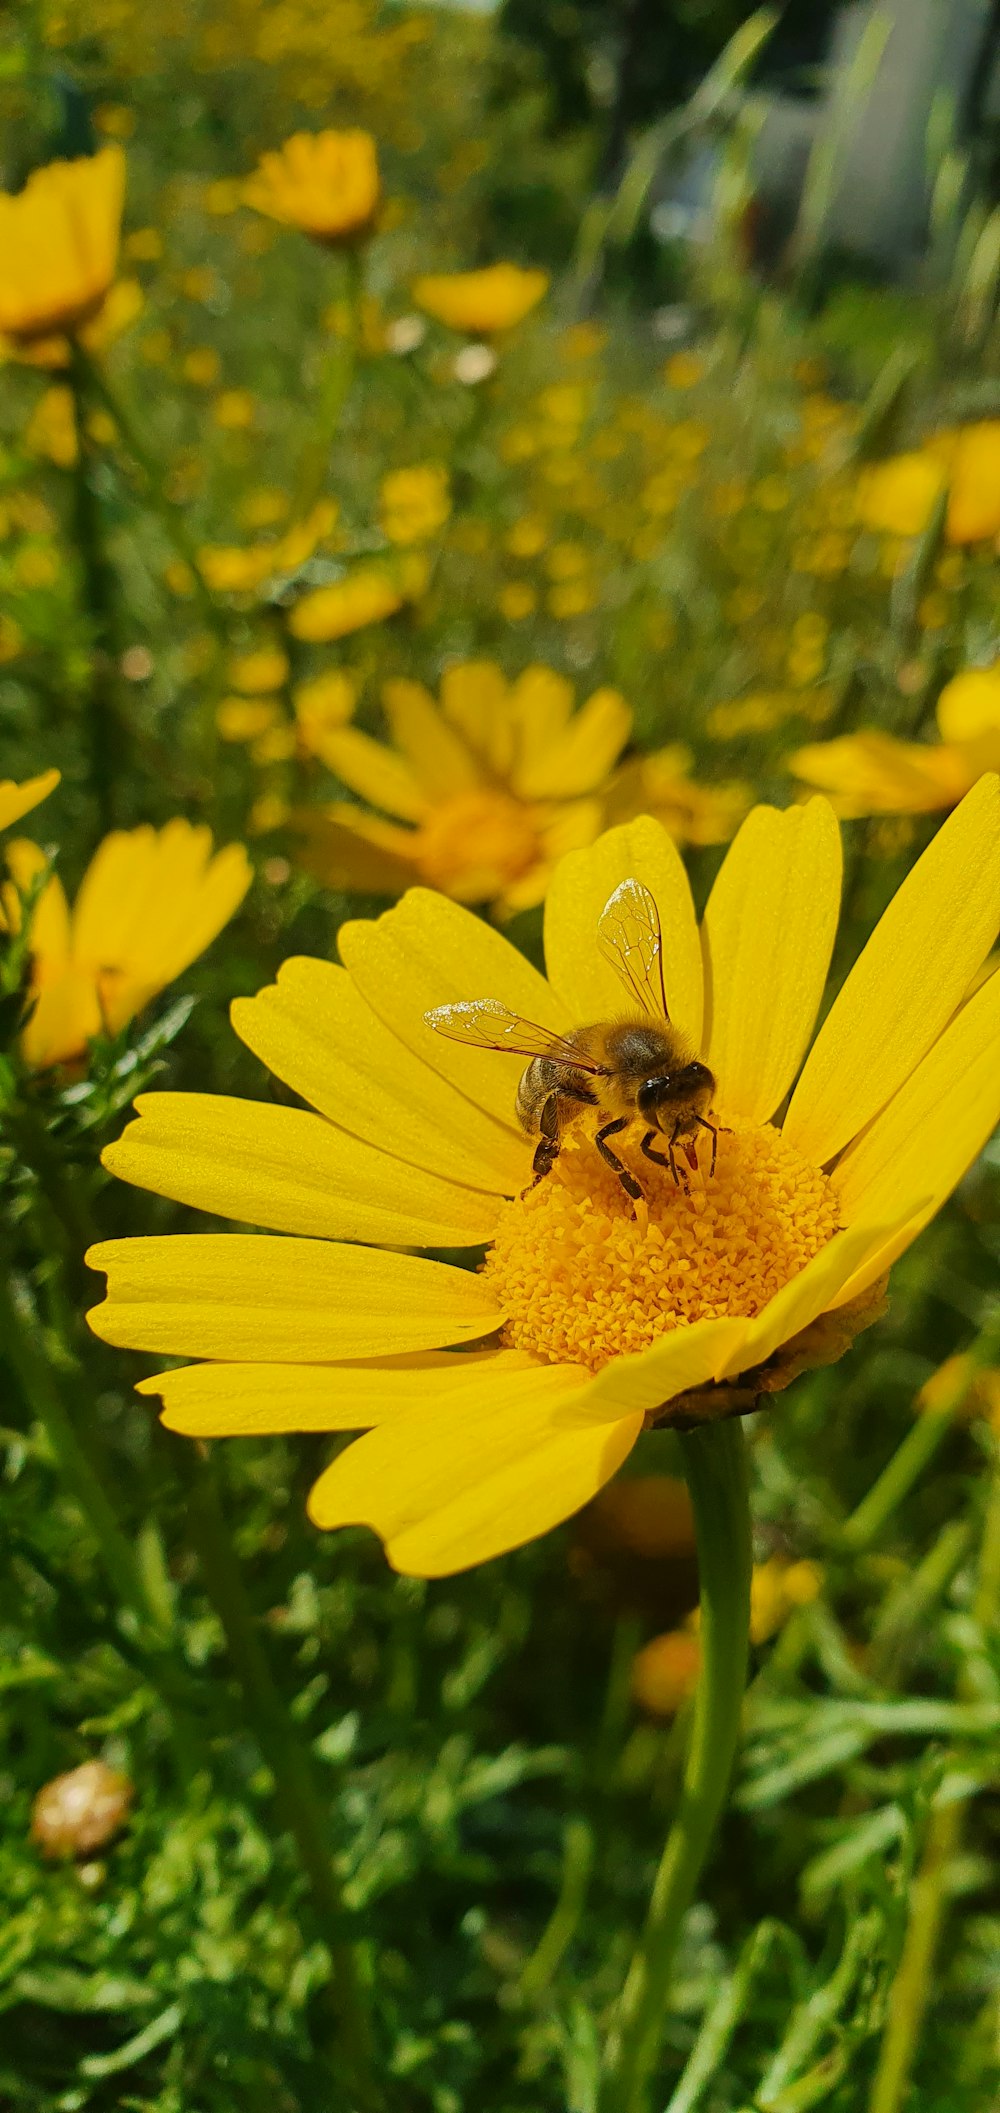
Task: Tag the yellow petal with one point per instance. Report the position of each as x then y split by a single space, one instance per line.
969 705
237 1400
932 1129
474 697
373 771
873 773
818 1286
914 971
769 930
582 884
315 1031
428 952
240 1295
50 921
292 1172
441 762
353 851
151 901
18 800
579 758
450 1486
683 1358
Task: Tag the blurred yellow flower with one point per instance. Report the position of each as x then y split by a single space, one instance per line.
233 410
661 784
665 1672
59 245
367 595
18 800
414 503
333 1320
51 429
898 497
321 704
326 183
874 773
265 668
777 1587
974 483
517 601
149 903
481 302
246 718
486 789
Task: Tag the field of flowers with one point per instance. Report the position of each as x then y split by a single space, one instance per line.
413 620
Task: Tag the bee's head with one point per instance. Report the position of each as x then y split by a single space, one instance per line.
689 1089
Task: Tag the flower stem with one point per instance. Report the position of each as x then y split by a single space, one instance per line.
337 381
715 1466
304 1809
104 733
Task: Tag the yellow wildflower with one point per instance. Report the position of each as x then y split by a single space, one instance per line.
898 497
665 1672
18 800
517 601
482 302
591 1319
974 483
486 789
51 429
777 1587
321 705
265 668
326 183
415 503
149 903
246 718
367 595
874 773
59 245
661 784
233 410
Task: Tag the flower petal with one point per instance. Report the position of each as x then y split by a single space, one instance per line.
579 758
582 884
293 1172
769 930
239 1295
683 1358
238 1400
350 850
450 1486
873 773
17 800
428 952
314 1029
817 1287
441 762
373 771
914 971
932 1129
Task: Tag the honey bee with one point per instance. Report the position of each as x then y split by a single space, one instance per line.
636 1071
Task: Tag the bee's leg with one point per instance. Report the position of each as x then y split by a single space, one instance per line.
665 1159
646 1148
547 1148
628 1181
715 1129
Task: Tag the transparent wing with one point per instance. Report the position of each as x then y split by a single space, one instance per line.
486 1024
630 939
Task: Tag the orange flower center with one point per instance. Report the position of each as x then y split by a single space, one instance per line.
582 1279
475 844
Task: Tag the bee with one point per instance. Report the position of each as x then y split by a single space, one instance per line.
639 1071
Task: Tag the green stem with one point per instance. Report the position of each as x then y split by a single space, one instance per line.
715 1466
98 580
339 369
304 1810
923 1440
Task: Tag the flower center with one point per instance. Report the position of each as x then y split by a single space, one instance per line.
474 844
581 1279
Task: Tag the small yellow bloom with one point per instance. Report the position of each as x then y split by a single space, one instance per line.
665 1672
326 183
874 773
233 410
684 370
481 302
265 668
777 1587
246 718
51 429
59 245
149 903
974 483
18 800
367 595
593 1320
661 784
202 366
415 503
485 789
321 705
517 601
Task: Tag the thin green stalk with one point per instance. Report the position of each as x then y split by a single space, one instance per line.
305 1812
561 1928
104 732
922 1442
339 369
716 1470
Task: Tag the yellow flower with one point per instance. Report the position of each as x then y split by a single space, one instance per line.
777 1587
665 1672
263 669
486 790
326 183
500 1401
51 429
874 773
415 503
149 903
974 488
367 595
246 718
59 245
661 784
322 704
481 301
898 497
18 800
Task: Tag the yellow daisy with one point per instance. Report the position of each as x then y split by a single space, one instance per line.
59 245
661 784
149 903
874 773
326 183
18 800
483 302
486 790
497 1401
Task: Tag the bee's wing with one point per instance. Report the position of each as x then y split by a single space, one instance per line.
487 1024
630 939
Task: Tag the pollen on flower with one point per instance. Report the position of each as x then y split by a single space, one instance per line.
582 1279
